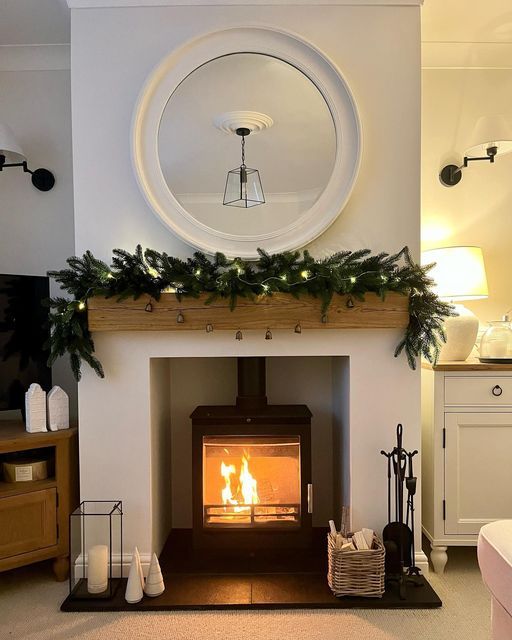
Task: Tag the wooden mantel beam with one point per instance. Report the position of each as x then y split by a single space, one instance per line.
279 311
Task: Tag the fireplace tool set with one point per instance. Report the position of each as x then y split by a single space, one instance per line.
398 534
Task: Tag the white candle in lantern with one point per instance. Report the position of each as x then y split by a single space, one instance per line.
97 569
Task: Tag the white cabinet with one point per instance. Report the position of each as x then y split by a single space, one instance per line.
466 451
477 470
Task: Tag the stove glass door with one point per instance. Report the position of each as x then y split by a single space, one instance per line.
251 482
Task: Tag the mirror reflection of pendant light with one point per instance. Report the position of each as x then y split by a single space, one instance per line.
243 185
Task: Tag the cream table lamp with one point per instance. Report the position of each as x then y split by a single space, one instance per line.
459 274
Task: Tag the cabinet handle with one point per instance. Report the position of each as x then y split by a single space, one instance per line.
497 390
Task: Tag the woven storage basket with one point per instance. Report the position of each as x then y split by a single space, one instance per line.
356 573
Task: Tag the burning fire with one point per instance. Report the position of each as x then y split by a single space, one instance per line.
246 490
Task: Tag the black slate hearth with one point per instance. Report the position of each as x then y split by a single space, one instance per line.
263 591
265 580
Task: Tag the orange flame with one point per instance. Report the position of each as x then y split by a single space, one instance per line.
247 489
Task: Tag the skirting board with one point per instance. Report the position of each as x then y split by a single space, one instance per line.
145 559
421 562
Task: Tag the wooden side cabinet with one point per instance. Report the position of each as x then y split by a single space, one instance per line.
34 515
466 448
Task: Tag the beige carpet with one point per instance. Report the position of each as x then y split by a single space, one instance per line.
30 599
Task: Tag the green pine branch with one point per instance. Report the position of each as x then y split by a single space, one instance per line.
150 272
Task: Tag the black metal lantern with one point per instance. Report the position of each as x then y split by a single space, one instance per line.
96 550
243 185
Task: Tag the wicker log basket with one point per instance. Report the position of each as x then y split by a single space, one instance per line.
356 573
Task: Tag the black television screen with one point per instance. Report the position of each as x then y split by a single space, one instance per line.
24 330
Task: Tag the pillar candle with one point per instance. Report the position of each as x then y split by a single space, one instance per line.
97 569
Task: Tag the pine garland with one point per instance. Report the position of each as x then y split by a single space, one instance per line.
150 272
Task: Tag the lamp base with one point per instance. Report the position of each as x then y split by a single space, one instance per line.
461 332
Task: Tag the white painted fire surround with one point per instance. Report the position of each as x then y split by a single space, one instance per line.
124 420
115 45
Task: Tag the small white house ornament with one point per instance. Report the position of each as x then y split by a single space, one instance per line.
58 409
35 409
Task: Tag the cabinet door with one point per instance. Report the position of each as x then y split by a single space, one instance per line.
478 470
28 522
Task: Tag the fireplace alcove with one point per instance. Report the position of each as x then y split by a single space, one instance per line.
224 421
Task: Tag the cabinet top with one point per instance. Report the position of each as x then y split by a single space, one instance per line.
13 431
466 365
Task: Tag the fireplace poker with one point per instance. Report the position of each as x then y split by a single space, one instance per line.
411 483
388 456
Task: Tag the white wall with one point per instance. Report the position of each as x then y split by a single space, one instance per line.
36 228
309 381
477 211
160 414
194 381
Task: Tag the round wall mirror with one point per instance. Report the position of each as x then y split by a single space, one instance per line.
246 138
290 140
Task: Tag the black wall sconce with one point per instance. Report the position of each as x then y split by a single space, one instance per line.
492 136
11 155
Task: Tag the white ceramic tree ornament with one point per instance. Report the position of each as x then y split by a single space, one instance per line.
134 587
35 409
58 409
154 582
139 564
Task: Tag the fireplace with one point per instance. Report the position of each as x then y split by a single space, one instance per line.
251 466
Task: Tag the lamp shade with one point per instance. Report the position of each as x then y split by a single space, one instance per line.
459 272
9 146
490 131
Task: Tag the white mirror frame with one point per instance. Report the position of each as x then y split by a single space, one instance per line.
175 68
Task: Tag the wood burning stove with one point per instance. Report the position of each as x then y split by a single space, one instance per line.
251 466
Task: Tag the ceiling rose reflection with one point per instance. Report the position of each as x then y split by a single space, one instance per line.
255 121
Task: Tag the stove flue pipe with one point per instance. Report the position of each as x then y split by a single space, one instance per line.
251 384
